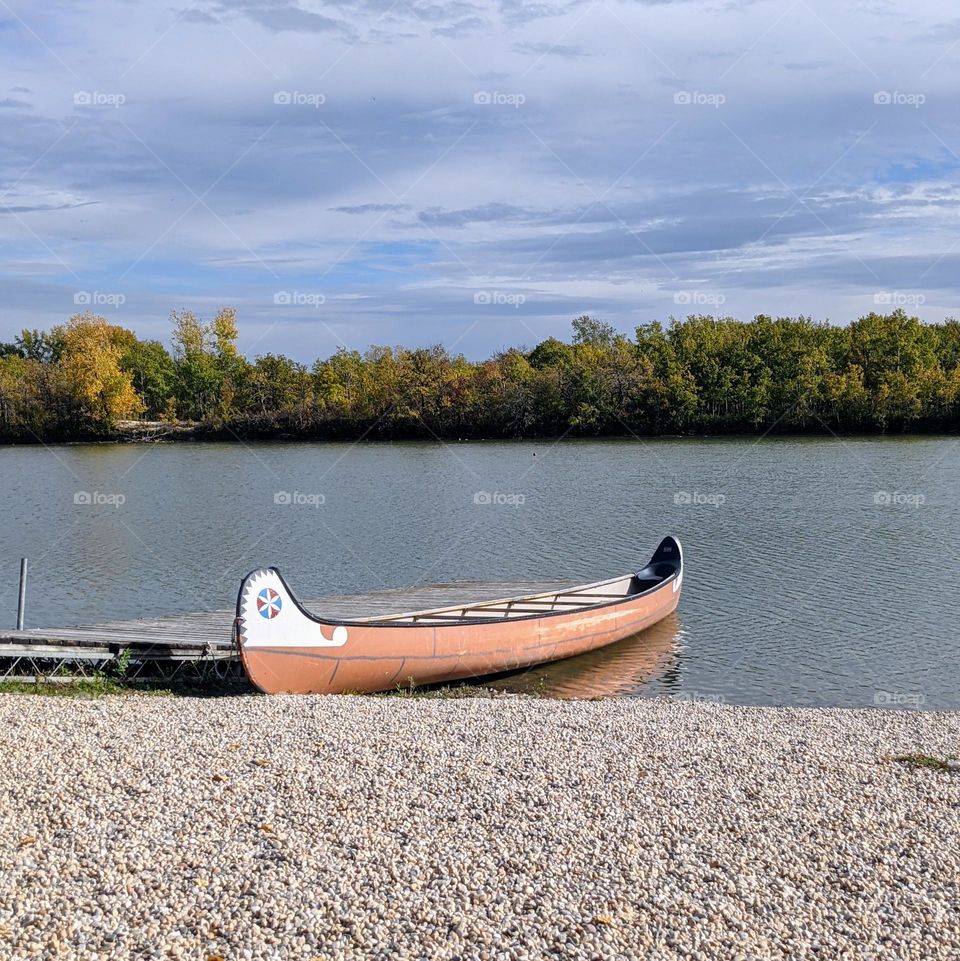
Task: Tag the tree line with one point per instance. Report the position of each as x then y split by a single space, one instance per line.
883 372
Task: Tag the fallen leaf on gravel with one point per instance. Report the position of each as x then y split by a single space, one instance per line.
603 919
27 840
263 762
218 777
233 747
203 883
214 957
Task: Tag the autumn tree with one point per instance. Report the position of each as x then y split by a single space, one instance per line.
101 392
231 367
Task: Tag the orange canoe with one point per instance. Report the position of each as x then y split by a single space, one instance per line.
287 650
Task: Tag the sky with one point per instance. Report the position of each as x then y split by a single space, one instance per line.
474 173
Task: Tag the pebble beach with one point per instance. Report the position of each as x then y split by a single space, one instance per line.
482 827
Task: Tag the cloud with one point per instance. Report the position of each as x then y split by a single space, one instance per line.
579 178
522 11
7 208
275 15
460 28
368 208
543 49
193 15
801 65
438 217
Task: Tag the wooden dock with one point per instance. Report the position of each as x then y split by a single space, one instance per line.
200 645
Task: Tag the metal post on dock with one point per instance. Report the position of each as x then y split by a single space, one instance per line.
22 602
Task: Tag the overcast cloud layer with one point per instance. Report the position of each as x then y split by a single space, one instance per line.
474 173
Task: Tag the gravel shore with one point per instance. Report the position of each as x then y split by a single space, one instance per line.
482 827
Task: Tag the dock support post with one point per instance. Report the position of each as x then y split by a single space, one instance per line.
22 602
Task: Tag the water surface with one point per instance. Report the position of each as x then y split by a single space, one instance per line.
819 571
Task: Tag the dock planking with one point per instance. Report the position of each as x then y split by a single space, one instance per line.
209 634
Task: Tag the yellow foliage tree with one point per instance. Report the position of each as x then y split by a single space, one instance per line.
90 369
225 333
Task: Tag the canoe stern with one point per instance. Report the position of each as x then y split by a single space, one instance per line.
268 615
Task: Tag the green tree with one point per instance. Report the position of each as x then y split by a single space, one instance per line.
152 372
41 346
197 377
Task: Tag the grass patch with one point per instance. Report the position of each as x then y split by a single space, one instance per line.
437 693
452 692
924 761
81 687
111 687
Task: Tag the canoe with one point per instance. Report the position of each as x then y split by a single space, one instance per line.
286 649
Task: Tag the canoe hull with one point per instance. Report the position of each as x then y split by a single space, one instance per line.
376 657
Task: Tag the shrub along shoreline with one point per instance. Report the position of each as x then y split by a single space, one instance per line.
91 380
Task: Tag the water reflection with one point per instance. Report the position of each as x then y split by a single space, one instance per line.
627 667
